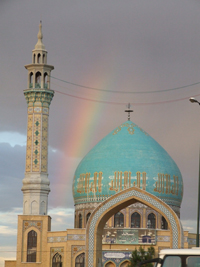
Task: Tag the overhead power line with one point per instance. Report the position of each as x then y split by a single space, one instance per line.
119 103
126 92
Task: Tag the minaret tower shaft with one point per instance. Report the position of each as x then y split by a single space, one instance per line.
38 96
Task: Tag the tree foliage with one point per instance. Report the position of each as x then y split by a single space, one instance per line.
142 255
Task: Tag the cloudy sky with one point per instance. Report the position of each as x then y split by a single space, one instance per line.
114 45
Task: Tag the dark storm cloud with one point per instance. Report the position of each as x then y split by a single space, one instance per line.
12 168
12 161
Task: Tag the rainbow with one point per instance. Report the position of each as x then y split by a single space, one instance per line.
83 128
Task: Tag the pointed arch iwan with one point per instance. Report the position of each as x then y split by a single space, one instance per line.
114 204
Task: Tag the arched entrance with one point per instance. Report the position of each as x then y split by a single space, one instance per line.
114 204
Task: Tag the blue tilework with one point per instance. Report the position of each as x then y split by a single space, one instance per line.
128 149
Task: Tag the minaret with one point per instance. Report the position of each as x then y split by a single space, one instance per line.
38 96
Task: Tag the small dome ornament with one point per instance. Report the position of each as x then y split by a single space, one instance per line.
129 110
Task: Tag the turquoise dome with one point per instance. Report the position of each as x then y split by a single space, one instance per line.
127 157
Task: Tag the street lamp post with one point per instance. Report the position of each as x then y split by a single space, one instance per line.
193 100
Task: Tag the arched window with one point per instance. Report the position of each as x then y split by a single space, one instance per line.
110 264
31 246
45 80
31 80
135 220
43 59
119 219
125 264
38 80
34 58
38 58
79 221
57 260
164 224
80 260
151 221
88 216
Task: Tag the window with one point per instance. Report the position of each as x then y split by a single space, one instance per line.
151 221
38 58
31 246
80 260
80 221
164 224
88 216
193 261
37 80
31 80
110 264
135 220
57 260
45 80
119 220
125 264
170 261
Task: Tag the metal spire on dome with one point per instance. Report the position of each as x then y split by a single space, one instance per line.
129 110
40 45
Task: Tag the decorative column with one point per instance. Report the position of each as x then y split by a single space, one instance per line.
38 96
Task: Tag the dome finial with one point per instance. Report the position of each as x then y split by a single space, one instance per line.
129 110
39 44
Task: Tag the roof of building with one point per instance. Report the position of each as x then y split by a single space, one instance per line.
127 157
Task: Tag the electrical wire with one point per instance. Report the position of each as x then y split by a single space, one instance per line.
119 103
126 92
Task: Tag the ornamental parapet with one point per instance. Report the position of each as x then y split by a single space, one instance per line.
39 95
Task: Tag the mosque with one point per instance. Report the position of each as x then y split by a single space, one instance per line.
127 192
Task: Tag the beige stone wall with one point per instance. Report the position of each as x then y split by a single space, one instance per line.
191 240
10 263
69 243
41 225
76 239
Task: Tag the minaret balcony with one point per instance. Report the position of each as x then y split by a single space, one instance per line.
30 85
37 85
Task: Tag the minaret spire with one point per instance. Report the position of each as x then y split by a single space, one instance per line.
38 96
40 45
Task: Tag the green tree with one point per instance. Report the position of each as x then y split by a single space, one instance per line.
142 255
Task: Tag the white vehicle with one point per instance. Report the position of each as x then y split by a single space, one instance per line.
176 258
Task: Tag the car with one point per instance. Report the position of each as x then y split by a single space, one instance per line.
176 258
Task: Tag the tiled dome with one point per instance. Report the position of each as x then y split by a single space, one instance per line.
127 157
